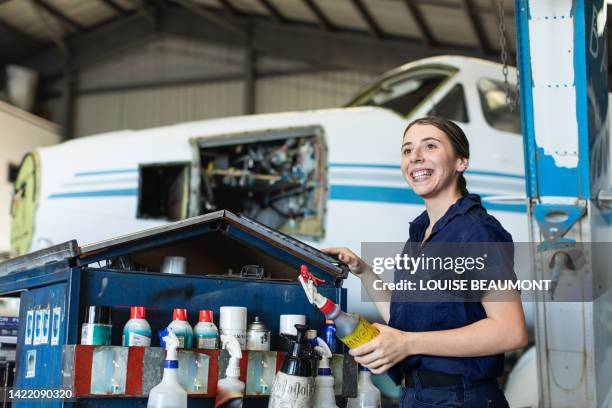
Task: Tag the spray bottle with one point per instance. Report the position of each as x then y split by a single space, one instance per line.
294 385
182 328
353 330
230 390
368 396
324 396
205 332
137 331
168 393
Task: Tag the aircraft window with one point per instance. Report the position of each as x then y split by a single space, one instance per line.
276 177
494 106
164 191
402 94
452 106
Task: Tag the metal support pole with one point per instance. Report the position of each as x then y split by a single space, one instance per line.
68 86
250 68
562 50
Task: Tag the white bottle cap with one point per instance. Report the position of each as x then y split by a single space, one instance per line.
233 318
288 322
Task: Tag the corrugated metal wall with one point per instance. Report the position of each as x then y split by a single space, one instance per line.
163 61
325 89
181 70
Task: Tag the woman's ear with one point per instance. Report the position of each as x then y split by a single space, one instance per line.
462 164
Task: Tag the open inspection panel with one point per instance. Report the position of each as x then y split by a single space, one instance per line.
57 284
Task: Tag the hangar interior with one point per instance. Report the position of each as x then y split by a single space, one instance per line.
76 68
105 65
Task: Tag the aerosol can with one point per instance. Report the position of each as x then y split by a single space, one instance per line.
230 390
353 330
324 382
168 393
294 385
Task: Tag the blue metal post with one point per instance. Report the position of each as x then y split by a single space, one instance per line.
562 53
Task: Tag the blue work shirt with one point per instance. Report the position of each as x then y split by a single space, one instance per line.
466 221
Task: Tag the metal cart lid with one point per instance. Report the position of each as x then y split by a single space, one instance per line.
224 221
65 251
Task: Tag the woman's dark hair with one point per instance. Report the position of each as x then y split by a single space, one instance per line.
457 138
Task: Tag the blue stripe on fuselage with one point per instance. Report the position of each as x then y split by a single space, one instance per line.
392 195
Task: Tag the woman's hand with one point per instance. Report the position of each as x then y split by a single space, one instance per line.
357 266
386 350
345 255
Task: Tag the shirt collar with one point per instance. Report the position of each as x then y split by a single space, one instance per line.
460 207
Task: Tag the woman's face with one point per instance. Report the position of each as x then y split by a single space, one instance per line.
429 163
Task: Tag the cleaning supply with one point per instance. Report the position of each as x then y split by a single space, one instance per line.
233 321
230 390
324 396
182 329
258 336
168 393
137 331
205 332
97 328
294 385
368 396
330 337
353 330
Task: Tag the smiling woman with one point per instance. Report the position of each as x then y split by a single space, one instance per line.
443 146
443 353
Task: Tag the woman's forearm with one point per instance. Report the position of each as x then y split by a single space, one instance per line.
482 338
381 298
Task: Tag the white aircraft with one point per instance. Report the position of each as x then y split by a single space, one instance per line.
329 177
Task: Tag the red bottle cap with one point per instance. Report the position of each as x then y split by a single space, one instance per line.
137 312
179 314
206 316
327 307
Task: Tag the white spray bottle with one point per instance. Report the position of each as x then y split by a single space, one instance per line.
324 382
230 390
368 396
168 393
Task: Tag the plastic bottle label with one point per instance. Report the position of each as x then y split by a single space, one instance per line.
96 334
363 333
258 340
206 342
183 332
292 391
135 339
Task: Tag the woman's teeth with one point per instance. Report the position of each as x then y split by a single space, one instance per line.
420 175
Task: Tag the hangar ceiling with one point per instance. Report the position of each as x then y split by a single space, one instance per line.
367 34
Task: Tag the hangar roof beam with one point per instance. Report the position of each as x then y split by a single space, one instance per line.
368 18
421 24
321 17
476 24
300 41
215 18
58 15
230 8
271 8
115 7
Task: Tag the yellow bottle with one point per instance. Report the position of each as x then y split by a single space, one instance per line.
352 330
